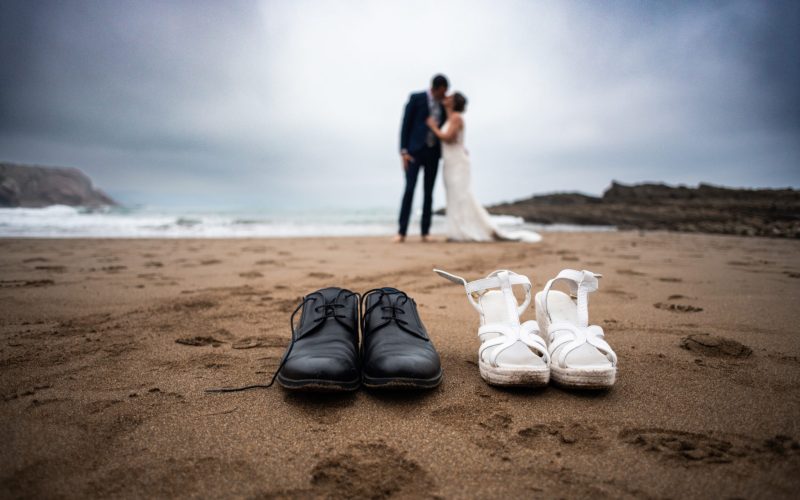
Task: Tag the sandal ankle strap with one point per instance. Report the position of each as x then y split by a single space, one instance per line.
502 279
581 283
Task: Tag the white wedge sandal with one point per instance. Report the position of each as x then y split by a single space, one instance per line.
511 354
579 355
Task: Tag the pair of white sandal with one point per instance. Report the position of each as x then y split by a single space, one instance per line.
572 353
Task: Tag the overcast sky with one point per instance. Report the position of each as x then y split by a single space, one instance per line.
299 103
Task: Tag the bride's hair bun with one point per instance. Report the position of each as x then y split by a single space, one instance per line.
459 102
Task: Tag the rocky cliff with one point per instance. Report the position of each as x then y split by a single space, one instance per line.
706 208
34 186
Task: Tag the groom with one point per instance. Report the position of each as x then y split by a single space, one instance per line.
420 149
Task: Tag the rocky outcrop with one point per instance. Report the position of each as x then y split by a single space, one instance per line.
33 186
706 208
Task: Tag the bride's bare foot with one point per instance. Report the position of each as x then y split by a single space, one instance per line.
399 238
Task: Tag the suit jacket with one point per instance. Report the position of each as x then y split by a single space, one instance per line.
414 131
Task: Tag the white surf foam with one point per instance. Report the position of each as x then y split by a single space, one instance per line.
60 221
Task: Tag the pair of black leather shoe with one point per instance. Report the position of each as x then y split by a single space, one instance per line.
325 353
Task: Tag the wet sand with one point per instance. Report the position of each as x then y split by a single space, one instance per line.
106 347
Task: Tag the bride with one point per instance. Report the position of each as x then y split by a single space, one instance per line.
467 220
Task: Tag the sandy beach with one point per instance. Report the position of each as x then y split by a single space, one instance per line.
106 347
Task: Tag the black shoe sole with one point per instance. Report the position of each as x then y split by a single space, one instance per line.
314 385
402 382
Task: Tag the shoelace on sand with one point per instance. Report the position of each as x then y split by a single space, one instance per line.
330 309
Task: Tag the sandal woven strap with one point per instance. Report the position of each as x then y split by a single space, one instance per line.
527 333
569 337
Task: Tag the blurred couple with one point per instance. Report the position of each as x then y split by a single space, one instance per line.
433 128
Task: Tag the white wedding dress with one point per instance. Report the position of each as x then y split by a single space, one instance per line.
467 220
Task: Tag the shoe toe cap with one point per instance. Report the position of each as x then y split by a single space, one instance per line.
424 365
319 367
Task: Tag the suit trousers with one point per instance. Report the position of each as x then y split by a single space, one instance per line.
428 161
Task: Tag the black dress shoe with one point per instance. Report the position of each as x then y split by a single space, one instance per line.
396 349
323 354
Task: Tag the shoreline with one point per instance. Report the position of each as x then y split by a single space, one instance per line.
63 221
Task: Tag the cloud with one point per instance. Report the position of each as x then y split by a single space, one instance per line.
298 103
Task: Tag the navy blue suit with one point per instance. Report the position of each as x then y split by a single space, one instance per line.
414 139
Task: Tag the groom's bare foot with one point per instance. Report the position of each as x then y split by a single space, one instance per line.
426 239
399 238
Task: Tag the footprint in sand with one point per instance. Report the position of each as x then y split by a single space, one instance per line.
153 263
712 346
498 421
258 342
684 447
690 448
488 429
255 249
216 366
620 293
749 263
210 262
25 283
36 403
113 269
99 406
370 470
213 361
669 279
457 415
251 275
193 305
35 259
28 392
322 276
571 434
630 272
680 308
782 445
53 269
198 341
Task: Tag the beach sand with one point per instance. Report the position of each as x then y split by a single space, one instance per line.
106 347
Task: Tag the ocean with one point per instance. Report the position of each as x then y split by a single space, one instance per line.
60 221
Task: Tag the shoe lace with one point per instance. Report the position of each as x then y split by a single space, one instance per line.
390 312
330 312
395 310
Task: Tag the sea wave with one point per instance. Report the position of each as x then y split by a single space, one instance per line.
59 221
